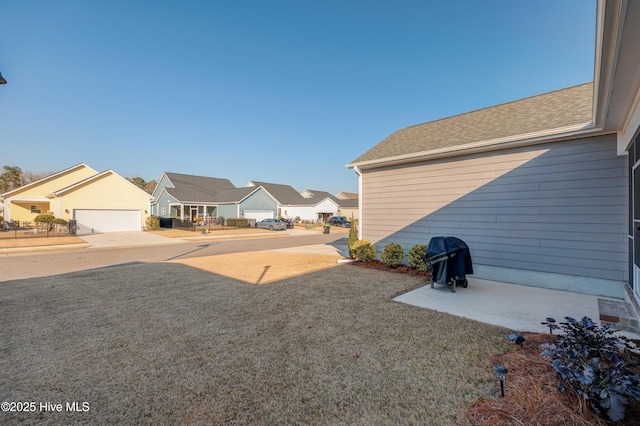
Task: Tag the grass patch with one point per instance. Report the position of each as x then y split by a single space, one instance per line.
170 344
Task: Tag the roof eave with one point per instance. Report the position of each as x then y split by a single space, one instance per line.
535 138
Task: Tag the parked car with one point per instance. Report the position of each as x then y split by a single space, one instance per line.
288 222
272 224
340 221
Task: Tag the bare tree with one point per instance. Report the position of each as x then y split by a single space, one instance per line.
29 177
148 187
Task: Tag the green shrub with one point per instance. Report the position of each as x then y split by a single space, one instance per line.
418 257
153 222
364 250
60 221
49 218
392 255
238 222
353 237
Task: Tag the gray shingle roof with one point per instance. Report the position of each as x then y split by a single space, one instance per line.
321 195
285 194
233 195
349 203
190 188
553 110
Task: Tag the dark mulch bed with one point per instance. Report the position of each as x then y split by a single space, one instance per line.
532 395
400 269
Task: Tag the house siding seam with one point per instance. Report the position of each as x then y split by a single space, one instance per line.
555 208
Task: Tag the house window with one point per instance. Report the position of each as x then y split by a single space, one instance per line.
35 209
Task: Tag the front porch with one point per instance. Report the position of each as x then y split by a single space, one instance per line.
193 212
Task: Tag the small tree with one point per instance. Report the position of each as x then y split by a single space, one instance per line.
353 237
364 250
48 219
418 257
42 218
153 222
392 255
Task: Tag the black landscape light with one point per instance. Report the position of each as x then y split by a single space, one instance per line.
551 323
501 374
2 80
518 339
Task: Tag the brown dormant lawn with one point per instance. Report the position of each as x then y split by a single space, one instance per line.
168 343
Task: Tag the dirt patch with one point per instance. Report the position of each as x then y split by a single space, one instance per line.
262 267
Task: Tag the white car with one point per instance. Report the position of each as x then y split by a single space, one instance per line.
272 224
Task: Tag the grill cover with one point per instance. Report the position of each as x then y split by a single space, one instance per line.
448 259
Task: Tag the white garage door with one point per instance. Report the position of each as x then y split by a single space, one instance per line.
258 215
107 220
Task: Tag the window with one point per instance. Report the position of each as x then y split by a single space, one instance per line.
35 209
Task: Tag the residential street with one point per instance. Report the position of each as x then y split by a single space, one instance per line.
40 264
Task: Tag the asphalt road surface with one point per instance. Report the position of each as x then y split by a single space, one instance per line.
46 263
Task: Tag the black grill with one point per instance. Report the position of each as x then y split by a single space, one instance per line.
449 261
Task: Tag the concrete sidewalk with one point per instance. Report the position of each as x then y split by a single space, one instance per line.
517 307
134 238
126 239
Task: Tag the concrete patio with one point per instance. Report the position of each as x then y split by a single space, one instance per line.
517 307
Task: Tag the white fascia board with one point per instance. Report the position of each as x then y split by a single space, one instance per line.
631 125
253 192
50 177
325 199
27 199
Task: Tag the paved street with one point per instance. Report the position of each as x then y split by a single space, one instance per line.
39 264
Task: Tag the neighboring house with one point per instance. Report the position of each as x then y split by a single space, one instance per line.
347 196
306 207
249 203
188 197
104 202
290 204
349 208
544 190
332 204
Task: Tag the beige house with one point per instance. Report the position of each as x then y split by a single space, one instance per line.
99 202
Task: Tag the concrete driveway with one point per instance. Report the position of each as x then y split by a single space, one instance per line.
121 239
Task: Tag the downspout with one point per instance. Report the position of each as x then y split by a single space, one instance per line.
359 173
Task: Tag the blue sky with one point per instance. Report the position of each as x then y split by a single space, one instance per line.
277 91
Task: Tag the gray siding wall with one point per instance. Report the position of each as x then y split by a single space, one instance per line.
259 200
163 202
228 210
558 208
